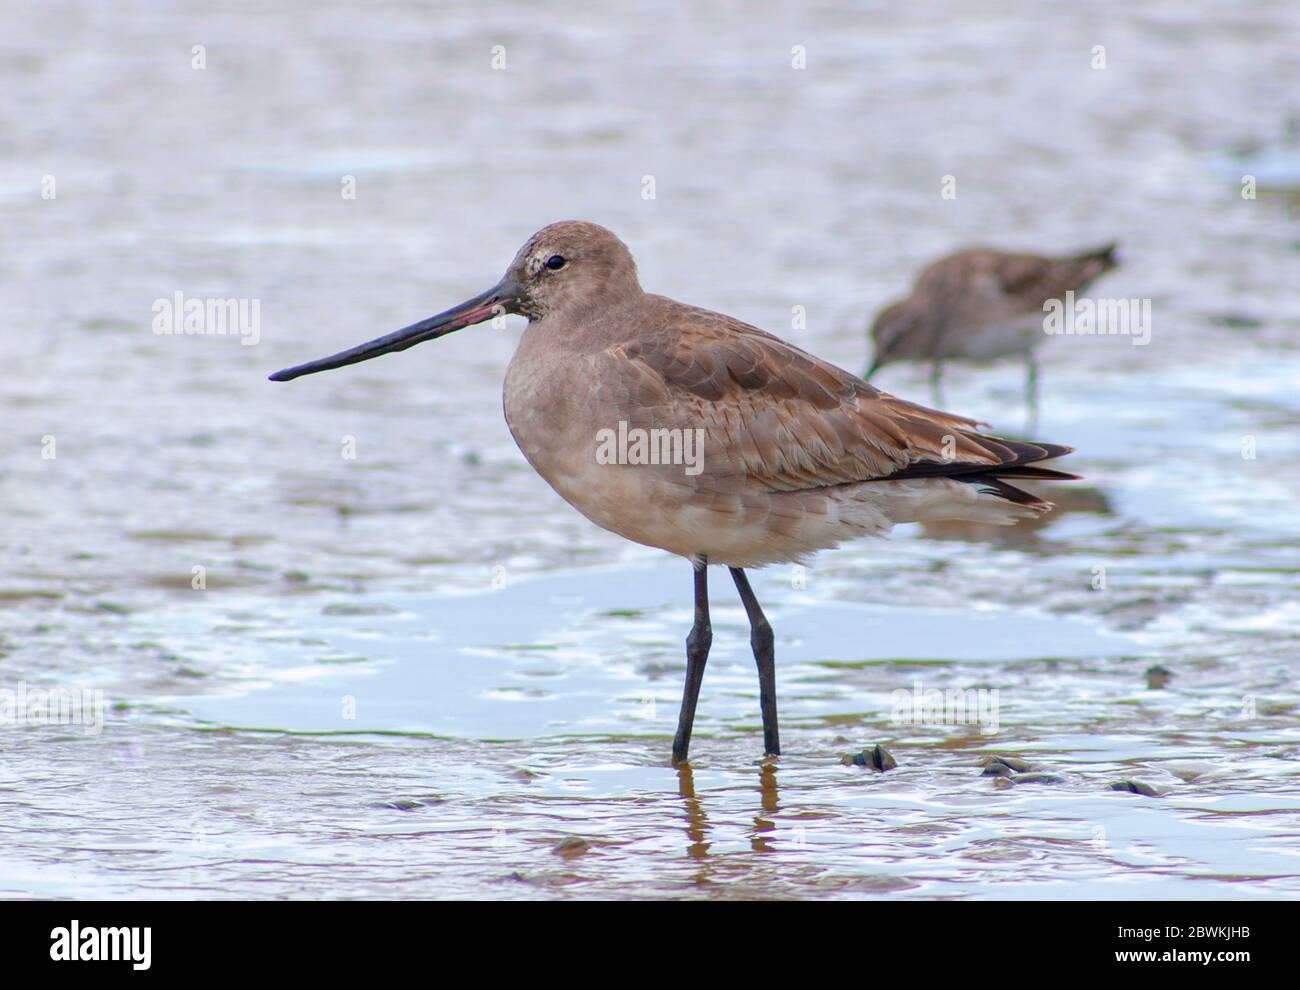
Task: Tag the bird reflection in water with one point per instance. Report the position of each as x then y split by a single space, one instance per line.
697 821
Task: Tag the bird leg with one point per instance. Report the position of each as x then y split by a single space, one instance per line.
1031 393
697 654
936 382
761 639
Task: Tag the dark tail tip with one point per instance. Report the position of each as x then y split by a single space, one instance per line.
1053 449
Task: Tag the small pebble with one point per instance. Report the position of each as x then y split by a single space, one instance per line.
1010 762
1038 778
877 758
410 804
1135 787
1158 676
571 847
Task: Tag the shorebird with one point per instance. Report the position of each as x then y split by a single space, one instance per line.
687 430
982 304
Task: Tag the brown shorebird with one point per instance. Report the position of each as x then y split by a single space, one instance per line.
982 304
690 431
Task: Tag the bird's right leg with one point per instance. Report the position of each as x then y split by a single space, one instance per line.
697 653
936 382
761 639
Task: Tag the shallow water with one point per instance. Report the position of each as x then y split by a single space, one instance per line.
416 672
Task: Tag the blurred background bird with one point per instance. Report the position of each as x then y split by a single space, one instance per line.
981 304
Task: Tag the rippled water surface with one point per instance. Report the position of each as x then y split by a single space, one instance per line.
416 672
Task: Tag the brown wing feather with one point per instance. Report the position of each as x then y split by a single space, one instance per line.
1025 281
795 422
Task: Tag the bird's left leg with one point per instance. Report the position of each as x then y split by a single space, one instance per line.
1031 393
762 640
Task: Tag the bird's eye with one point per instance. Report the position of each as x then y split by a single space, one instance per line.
555 262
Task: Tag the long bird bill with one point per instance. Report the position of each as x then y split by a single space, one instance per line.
481 307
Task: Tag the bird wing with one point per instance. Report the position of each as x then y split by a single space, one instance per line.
1024 281
790 421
